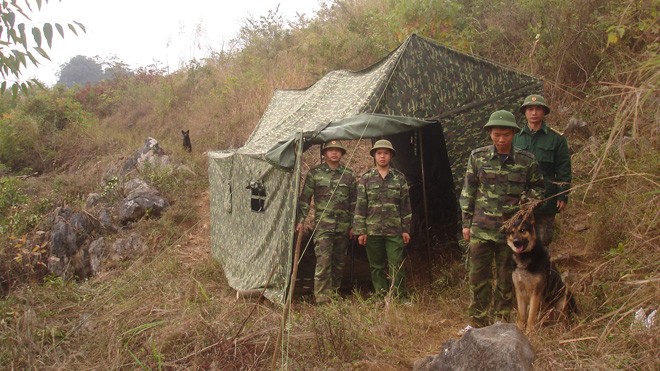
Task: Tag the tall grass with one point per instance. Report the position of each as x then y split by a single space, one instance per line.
173 309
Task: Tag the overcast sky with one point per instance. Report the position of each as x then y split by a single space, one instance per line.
142 32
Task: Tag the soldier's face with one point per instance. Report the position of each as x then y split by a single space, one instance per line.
502 139
534 114
383 156
333 155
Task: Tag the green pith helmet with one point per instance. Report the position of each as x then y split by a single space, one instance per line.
502 119
333 144
382 143
534 100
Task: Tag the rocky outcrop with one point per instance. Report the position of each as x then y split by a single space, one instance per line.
141 200
501 346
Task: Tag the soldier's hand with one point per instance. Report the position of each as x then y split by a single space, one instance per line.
299 227
362 239
466 234
406 238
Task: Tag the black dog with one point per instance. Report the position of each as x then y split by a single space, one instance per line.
538 284
186 140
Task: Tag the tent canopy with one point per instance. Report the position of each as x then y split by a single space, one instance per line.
364 125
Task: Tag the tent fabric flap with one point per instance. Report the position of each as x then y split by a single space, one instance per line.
360 126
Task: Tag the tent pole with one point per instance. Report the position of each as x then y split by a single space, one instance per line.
426 209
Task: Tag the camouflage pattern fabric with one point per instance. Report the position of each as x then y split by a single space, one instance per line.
482 255
420 79
330 250
492 190
334 195
383 205
550 149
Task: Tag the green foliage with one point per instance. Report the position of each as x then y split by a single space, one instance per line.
17 48
33 132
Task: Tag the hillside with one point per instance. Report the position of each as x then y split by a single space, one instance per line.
170 307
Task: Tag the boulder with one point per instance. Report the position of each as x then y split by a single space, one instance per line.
125 248
150 153
142 200
501 346
96 255
69 234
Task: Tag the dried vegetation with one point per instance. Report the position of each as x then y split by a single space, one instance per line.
173 308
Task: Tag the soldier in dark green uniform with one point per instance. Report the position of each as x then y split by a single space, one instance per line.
382 220
551 151
497 176
333 187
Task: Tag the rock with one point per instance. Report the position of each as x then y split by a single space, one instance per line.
92 199
68 255
142 200
96 254
129 247
577 129
150 153
501 346
105 218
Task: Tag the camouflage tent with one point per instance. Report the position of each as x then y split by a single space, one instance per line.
254 189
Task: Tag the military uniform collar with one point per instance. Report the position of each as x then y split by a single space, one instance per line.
544 128
492 154
327 167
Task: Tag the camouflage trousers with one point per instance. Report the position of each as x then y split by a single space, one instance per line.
482 255
545 228
387 252
330 253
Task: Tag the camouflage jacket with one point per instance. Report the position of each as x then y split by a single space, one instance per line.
551 151
334 197
383 205
492 190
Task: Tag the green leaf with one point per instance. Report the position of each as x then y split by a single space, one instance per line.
39 4
36 34
42 52
2 29
24 89
21 31
81 26
3 87
32 59
73 29
48 34
14 90
60 29
11 18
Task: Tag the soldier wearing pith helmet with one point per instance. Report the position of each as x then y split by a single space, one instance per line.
332 185
551 151
497 176
382 221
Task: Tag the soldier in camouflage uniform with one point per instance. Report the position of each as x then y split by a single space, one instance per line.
333 187
382 220
551 151
497 177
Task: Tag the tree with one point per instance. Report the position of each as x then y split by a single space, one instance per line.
16 48
80 70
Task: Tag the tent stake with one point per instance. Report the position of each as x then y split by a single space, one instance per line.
426 210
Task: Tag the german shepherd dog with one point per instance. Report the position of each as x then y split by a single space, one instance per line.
538 284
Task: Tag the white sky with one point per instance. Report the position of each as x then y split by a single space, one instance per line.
142 32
